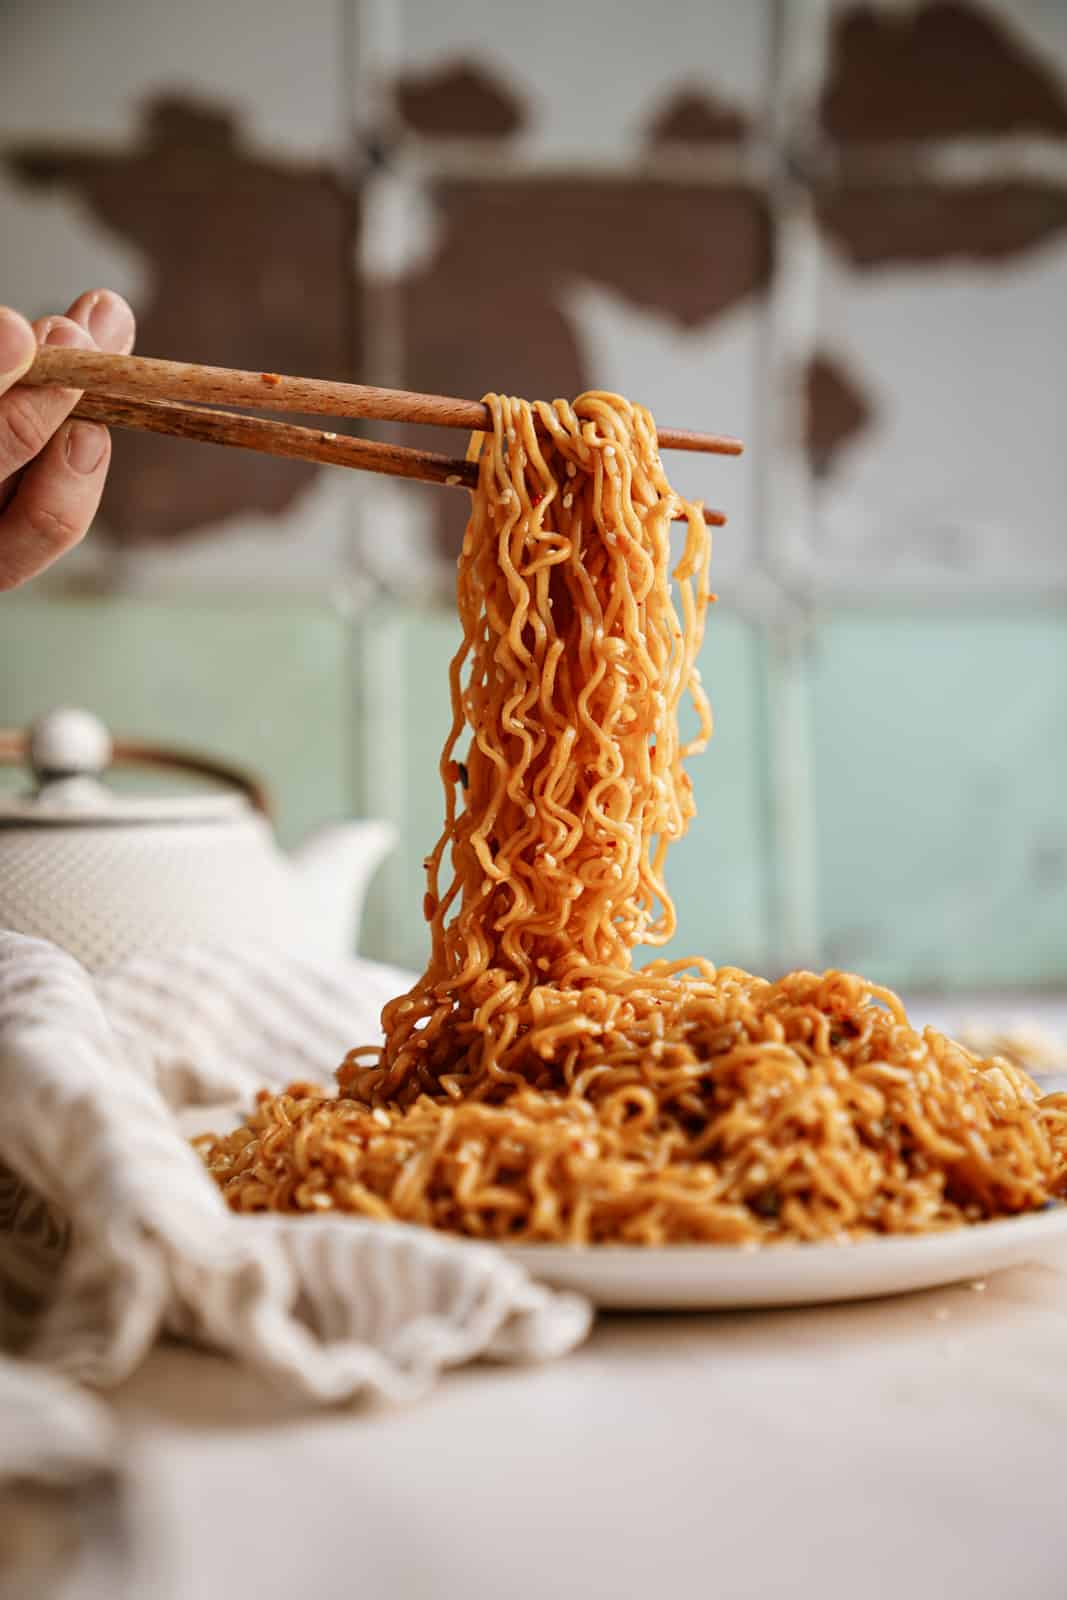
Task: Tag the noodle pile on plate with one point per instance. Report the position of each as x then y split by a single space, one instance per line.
533 1085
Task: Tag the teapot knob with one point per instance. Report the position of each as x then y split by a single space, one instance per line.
67 744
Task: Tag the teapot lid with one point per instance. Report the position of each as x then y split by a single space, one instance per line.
68 752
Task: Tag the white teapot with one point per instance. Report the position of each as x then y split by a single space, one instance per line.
107 875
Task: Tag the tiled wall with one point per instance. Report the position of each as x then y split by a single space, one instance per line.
837 229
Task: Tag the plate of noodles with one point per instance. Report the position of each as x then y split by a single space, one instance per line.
672 1134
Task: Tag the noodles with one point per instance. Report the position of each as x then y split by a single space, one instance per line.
569 680
533 1085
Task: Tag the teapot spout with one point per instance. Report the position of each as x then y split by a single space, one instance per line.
335 866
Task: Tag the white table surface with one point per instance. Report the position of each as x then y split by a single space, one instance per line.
908 1447
899 1448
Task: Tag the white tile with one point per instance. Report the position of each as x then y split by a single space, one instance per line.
312 553
307 552
1041 25
961 478
82 68
53 250
593 75
395 546
701 377
400 228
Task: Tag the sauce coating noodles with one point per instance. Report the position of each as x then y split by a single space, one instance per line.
533 1085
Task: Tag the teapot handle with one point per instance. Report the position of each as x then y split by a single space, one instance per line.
15 747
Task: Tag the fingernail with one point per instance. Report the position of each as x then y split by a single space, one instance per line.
111 323
62 332
86 443
16 342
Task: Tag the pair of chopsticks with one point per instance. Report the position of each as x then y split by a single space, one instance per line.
175 397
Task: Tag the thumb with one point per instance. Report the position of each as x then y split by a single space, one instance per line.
18 346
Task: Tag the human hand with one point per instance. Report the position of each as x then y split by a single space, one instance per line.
51 471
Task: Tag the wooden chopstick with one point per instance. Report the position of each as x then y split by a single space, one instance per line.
276 438
271 438
145 378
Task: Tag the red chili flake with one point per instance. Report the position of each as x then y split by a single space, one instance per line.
536 500
270 377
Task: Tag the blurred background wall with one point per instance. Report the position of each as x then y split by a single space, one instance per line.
837 229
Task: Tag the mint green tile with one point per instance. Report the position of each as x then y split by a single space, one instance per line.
402 682
717 874
940 748
266 685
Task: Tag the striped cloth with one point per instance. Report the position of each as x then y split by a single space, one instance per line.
111 1233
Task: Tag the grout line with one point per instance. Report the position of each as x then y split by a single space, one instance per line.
795 938
372 44
351 507
759 709
380 696
468 160
369 41
988 597
1003 158
750 162
783 509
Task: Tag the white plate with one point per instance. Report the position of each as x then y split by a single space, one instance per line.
691 1277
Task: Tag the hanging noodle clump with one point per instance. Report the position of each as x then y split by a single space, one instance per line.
533 1085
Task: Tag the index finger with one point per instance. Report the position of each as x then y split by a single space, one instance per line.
18 346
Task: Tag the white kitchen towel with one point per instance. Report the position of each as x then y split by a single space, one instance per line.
111 1233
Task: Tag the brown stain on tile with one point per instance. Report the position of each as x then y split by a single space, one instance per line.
458 100
487 312
838 410
695 116
249 261
937 71
508 247
921 223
